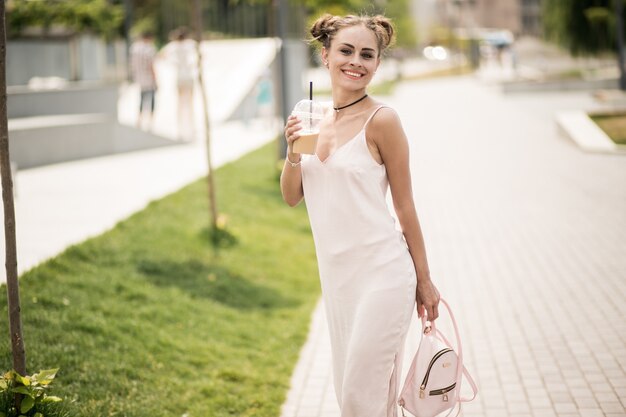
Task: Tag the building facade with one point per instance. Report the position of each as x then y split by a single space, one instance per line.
521 17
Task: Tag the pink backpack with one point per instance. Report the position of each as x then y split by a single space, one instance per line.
433 383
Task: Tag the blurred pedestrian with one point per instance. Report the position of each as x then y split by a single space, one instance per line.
142 56
181 52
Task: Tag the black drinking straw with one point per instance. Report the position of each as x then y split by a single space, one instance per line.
311 104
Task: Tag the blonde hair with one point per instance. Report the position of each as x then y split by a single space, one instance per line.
327 26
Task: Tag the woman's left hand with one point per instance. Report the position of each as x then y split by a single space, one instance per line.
427 298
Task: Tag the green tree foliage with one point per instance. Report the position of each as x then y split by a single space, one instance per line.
400 12
582 26
150 13
97 16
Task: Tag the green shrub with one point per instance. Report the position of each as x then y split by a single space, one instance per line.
33 390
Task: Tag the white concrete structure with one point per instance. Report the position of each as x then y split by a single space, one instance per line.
578 126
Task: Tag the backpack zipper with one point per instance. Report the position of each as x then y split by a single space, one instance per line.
443 391
430 365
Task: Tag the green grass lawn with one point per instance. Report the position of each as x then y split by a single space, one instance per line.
147 320
614 125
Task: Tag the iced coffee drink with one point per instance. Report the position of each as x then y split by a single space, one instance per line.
310 114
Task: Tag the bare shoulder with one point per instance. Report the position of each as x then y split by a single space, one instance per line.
384 124
385 118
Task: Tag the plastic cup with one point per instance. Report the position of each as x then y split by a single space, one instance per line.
310 114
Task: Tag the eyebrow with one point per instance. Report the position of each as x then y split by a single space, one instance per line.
352 46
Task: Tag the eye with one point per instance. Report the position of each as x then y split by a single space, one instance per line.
367 55
346 51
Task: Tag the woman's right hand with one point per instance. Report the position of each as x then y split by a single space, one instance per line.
291 133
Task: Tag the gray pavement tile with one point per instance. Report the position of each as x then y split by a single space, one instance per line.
565 407
591 412
544 413
612 407
586 402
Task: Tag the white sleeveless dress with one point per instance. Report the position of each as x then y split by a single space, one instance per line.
367 275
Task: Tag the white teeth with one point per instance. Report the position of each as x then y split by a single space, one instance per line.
353 74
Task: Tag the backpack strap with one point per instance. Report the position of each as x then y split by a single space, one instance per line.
461 370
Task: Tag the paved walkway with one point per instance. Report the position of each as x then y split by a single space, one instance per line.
526 236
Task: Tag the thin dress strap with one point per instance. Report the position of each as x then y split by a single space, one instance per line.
372 115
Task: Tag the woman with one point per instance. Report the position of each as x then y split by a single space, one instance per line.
371 274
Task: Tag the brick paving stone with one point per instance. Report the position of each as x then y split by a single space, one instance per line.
591 412
540 402
565 408
544 413
603 389
611 407
524 234
561 397
606 397
596 378
586 402
581 393
518 407
495 412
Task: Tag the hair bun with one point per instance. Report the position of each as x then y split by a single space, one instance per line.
324 27
388 31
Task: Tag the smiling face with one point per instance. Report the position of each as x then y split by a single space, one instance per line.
352 57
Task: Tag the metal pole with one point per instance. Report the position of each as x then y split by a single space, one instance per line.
128 21
619 12
281 20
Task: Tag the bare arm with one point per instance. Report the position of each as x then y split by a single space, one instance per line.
291 177
386 132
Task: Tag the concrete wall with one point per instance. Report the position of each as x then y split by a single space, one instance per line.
562 85
77 98
76 58
27 58
45 140
80 121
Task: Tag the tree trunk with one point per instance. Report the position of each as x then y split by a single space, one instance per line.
13 289
197 21
619 15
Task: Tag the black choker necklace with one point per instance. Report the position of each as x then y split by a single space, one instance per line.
351 104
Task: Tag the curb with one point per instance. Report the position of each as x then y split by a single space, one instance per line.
578 126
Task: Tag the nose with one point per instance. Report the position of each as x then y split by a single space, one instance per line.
356 60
